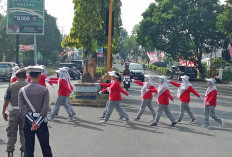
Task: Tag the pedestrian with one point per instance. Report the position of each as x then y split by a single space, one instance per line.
146 96
63 95
164 95
13 76
106 85
15 120
211 103
184 90
115 97
33 104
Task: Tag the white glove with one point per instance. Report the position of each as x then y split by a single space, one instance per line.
173 101
97 84
100 92
47 79
147 90
72 93
108 89
200 98
133 80
207 104
53 86
129 96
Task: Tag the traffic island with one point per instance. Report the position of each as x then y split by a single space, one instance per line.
86 94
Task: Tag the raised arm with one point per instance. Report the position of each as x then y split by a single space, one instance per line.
139 83
154 90
175 83
194 92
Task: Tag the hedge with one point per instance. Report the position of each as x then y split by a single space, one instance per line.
161 70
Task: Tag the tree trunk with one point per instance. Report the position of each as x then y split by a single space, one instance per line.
201 68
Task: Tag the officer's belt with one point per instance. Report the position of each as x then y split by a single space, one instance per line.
11 108
34 114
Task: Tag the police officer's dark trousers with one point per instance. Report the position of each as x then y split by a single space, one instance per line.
43 137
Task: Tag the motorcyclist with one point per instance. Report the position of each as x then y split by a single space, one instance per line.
126 71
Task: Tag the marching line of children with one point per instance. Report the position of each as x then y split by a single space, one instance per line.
147 88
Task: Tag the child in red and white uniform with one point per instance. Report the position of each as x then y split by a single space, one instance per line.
147 96
106 85
56 80
184 90
43 79
115 97
63 95
13 76
211 103
164 95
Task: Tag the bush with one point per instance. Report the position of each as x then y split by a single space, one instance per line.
227 74
151 67
100 71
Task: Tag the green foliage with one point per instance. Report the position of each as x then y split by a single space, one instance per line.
88 29
183 29
100 71
162 70
151 67
122 49
227 74
220 63
224 22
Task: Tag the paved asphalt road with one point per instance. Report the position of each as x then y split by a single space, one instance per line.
85 137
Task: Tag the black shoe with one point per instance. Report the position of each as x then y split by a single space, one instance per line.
153 124
174 124
193 121
10 154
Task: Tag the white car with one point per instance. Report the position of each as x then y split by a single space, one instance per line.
5 71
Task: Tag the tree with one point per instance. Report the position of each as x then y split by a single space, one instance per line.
183 29
224 21
89 26
123 36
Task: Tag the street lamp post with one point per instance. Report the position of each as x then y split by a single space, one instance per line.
109 38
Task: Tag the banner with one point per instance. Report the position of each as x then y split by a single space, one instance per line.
186 63
100 52
25 17
26 47
155 56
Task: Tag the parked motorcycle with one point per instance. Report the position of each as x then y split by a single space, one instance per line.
126 82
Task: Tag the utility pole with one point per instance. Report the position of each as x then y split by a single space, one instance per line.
109 38
35 50
17 49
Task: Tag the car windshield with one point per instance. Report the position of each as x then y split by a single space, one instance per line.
136 67
4 66
66 65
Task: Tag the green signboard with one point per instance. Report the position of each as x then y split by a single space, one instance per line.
25 17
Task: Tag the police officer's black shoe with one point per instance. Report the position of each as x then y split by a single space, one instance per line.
10 154
23 154
174 124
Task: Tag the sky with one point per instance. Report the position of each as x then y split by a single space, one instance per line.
63 10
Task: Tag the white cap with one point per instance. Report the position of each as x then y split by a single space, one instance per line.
185 77
35 69
210 80
113 73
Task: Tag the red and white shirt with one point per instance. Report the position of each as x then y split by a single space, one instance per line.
185 96
148 94
211 98
164 97
115 91
42 80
